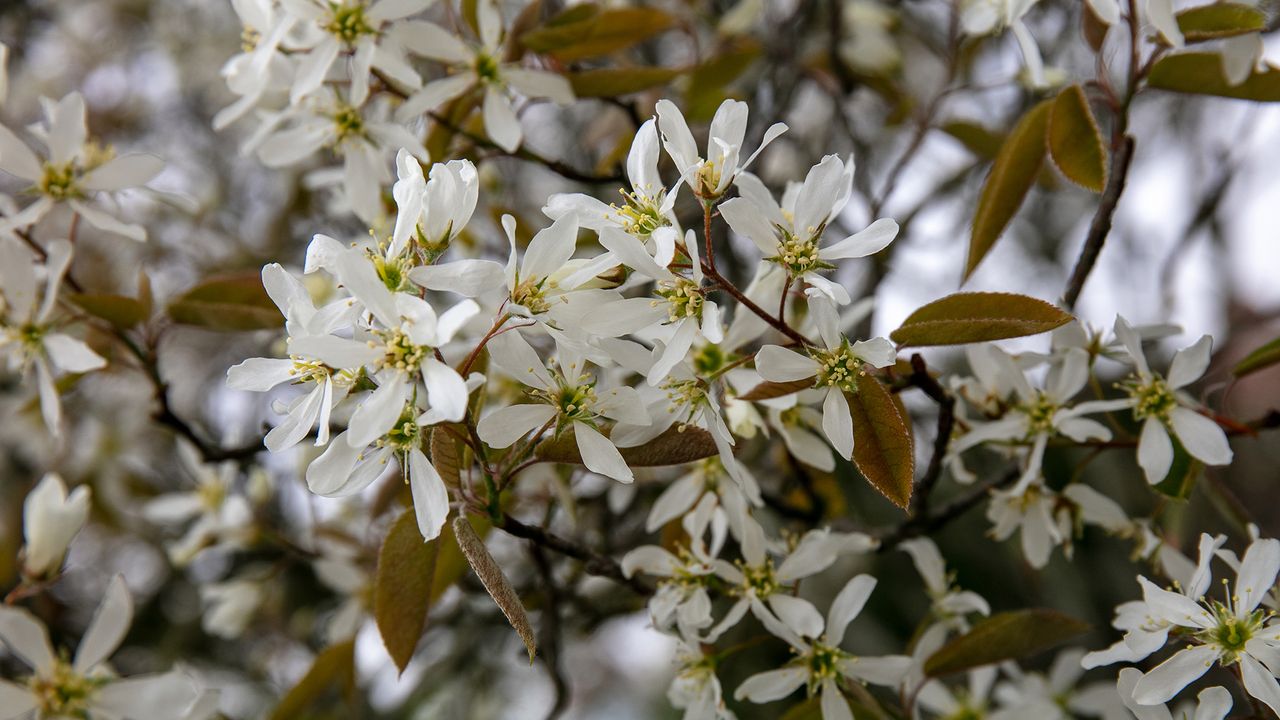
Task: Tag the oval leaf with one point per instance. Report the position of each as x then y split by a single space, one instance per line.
1074 141
1219 20
613 82
768 390
1012 175
402 587
119 310
580 33
445 457
1263 357
333 668
978 317
1004 636
675 446
882 441
229 303
1201 74
495 582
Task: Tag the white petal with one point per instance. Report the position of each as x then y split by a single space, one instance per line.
773 685
335 351
539 84
126 171
847 605
599 455
1190 363
869 241
432 41
468 278
798 614
108 628
379 411
501 428
16 701
500 120
837 423
446 390
259 374
430 497
878 352
834 706
1155 451
107 222
164 696
674 501
434 94
778 364
886 670
313 68
384 10
1171 676
71 355
1160 13
1260 683
1257 575
1214 703
299 421
27 638
16 158
1202 437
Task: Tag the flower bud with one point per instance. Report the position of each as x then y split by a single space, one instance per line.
51 520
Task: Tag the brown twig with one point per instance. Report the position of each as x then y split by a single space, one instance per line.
1102 218
592 562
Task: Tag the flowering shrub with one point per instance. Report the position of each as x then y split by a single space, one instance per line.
473 392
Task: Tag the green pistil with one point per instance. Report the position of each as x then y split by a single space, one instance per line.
709 359
406 434
394 272
684 298
348 123
1040 414
824 664
347 22
433 248
1229 633
840 368
531 295
65 693
1154 398
400 352
759 579
799 255
59 181
486 67
640 214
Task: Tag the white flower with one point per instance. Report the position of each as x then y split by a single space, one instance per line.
50 520
431 213
1227 633
1040 414
259 69
822 664
361 134
706 479
682 599
1053 695
540 284
986 17
835 367
565 398
1211 704
74 171
789 235
85 686
696 688
970 701
710 175
483 67
646 211
868 43
229 607
29 332
950 604
1164 409
678 303
360 28
221 516
1035 512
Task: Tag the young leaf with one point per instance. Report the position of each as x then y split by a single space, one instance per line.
1201 74
495 582
1074 141
1263 357
230 302
1012 175
119 310
1004 636
978 317
768 390
1094 28
1220 20
882 441
615 82
585 35
335 667
675 446
445 456
402 587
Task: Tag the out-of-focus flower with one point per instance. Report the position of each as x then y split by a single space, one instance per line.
50 521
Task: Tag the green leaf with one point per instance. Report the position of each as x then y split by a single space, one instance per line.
495 582
1220 20
768 390
1094 29
1074 141
706 87
335 667
1201 74
675 446
229 303
402 587
1012 175
977 139
615 82
578 33
1004 636
882 442
978 317
1263 357
119 310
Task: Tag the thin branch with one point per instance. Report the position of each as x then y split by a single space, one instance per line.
593 562
1101 225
